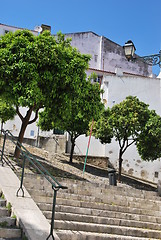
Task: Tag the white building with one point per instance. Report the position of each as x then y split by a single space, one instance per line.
117 87
106 55
119 78
6 28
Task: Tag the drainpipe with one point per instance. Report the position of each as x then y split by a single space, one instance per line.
101 64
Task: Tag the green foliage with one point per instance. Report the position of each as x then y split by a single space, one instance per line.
9 206
80 109
36 71
123 121
14 216
2 196
128 118
149 141
24 237
34 68
3 224
7 111
131 122
102 128
82 106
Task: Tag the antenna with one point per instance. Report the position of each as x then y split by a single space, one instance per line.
38 29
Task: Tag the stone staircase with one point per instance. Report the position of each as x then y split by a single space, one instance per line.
8 228
93 211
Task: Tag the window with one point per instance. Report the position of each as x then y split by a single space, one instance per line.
98 79
95 58
32 133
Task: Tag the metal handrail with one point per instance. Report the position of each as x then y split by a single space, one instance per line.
32 159
8 162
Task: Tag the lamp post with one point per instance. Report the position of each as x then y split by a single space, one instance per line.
152 60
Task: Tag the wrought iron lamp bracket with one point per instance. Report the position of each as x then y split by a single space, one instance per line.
152 60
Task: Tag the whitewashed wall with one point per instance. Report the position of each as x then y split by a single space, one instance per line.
5 28
110 55
32 130
116 88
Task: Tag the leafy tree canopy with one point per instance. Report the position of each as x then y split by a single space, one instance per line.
7 111
38 70
149 141
83 106
130 122
36 67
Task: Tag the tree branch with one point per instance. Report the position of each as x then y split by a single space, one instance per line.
19 114
35 118
128 145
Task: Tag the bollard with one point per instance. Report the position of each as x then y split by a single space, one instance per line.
112 177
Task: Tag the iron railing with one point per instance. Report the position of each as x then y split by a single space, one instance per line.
38 166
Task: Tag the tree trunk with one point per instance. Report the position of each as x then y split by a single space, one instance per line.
25 122
20 139
1 126
72 151
120 165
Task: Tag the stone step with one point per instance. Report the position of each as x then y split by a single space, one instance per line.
87 188
7 221
10 238
113 218
2 202
99 211
8 228
112 206
80 235
96 212
103 228
104 220
4 212
10 233
117 199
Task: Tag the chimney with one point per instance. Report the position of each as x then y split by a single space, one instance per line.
46 27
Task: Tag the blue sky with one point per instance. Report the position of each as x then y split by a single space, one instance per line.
118 20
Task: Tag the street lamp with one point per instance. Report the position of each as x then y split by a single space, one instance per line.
152 60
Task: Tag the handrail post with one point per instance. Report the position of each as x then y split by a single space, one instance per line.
53 214
22 175
4 141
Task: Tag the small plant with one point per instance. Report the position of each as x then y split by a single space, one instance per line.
9 207
14 216
3 224
24 237
2 196
113 204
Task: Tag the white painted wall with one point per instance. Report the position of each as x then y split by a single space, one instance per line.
147 90
31 130
110 54
95 148
88 43
117 89
4 28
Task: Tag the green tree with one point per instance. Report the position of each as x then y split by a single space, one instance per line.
7 112
130 122
149 142
83 106
35 70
